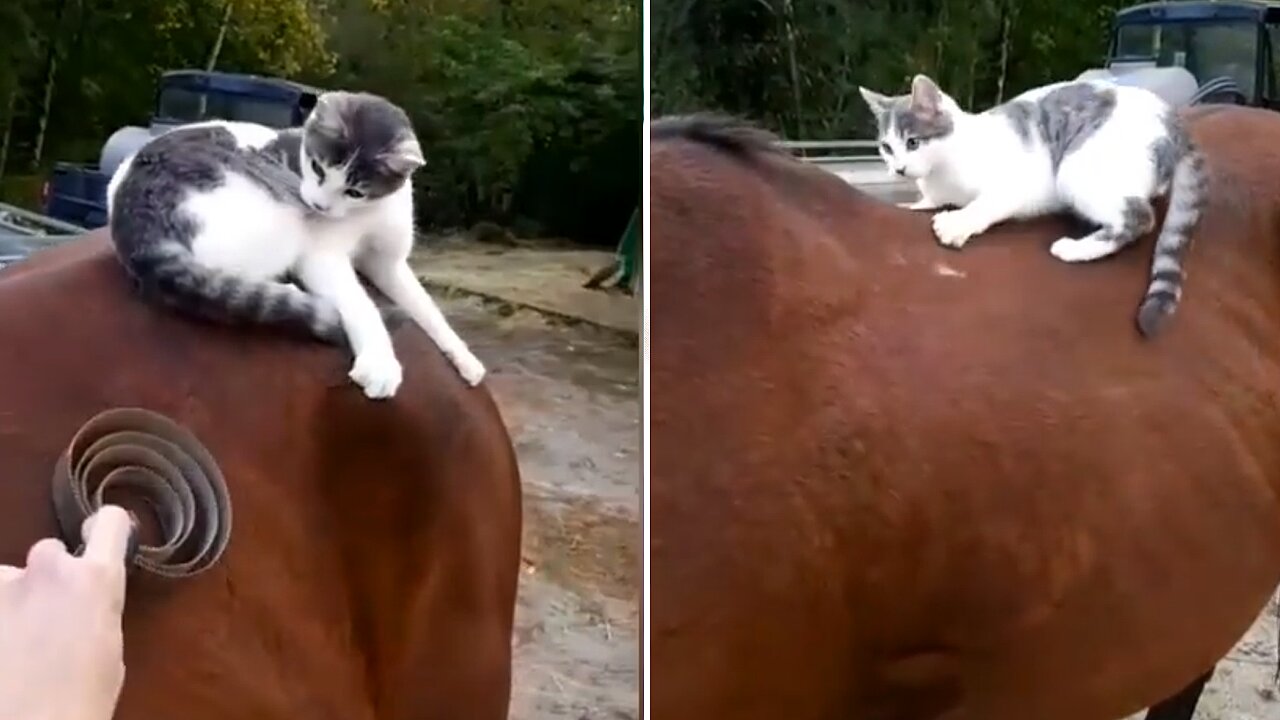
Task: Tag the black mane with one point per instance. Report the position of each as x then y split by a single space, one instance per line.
724 132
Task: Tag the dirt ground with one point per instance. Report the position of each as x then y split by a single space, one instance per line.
1243 686
570 396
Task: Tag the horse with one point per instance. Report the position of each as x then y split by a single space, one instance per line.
893 481
373 558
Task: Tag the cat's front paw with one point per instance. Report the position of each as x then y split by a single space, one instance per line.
378 373
1084 249
469 367
953 228
919 206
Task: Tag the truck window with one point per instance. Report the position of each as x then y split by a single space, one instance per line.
1227 49
1137 41
184 105
1207 49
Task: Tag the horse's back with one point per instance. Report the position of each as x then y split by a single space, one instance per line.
374 546
923 482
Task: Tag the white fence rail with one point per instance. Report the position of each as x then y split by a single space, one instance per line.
18 221
858 163
23 232
834 151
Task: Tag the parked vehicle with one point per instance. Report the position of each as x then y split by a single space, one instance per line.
77 193
1227 46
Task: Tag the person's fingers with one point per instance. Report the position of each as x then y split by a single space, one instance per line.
46 554
9 572
106 535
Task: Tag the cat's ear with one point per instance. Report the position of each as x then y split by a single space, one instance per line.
326 113
926 96
879 104
404 158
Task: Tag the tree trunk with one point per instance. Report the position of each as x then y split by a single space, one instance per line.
1006 36
50 75
10 105
222 36
46 104
973 83
940 45
789 27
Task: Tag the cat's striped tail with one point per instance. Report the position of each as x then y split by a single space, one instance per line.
1188 192
169 273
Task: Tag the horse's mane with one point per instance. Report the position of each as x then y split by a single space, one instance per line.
723 132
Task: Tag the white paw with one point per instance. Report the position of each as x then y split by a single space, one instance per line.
1065 249
1082 250
469 367
378 373
953 228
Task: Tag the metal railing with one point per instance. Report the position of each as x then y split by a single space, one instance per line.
23 232
16 220
834 151
869 145
858 163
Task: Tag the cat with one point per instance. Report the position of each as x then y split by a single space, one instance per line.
213 217
1101 150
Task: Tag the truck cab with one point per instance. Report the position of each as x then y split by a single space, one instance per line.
77 193
1227 45
187 96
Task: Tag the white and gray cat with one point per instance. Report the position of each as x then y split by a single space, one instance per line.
1101 150
214 218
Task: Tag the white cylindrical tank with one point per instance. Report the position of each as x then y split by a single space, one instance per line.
122 143
1176 85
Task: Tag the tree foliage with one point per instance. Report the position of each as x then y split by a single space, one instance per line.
796 64
529 110
529 102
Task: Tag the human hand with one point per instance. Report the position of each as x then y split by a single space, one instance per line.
61 645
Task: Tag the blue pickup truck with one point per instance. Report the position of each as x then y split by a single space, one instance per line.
77 193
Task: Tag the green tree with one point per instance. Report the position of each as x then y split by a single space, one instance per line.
795 65
529 110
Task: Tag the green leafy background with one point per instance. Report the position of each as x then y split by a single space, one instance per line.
529 110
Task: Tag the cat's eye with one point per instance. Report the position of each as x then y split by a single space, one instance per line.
315 168
884 148
913 143
354 193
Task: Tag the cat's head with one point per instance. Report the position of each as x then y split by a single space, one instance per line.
357 148
913 128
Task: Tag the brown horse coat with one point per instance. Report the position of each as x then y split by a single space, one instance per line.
374 553
895 481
